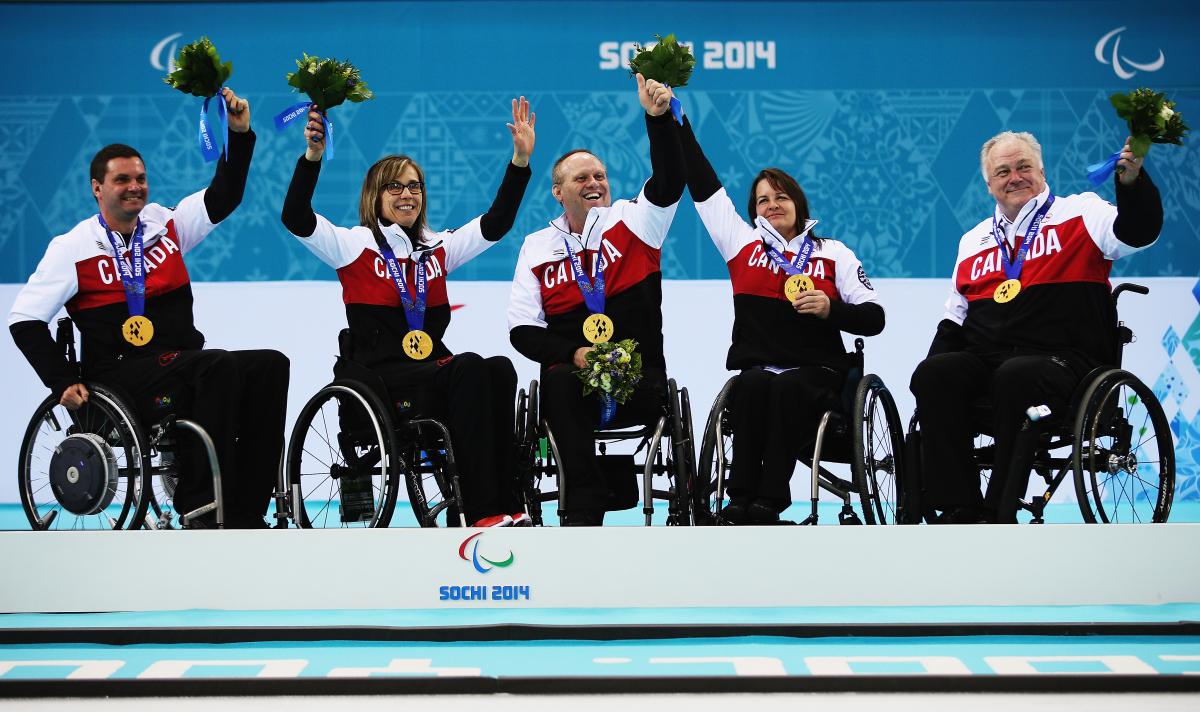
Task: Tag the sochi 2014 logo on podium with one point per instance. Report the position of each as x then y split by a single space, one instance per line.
484 561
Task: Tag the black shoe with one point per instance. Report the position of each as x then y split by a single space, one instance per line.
581 518
963 515
204 521
733 513
761 513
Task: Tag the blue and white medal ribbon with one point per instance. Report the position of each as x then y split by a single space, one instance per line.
208 147
417 344
597 328
797 282
295 111
1009 288
137 329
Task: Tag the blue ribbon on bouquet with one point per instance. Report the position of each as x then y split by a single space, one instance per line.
295 111
608 408
1100 172
676 110
208 147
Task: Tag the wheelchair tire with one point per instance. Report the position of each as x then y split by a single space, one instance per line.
526 440
1120 429
343 431
113 498
680 506
878 449
716 456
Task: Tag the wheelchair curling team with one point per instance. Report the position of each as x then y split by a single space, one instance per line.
1029 312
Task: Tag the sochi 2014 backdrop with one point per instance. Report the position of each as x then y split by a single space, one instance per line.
878 108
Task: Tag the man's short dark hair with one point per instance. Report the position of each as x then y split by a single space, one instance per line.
556 176
106 154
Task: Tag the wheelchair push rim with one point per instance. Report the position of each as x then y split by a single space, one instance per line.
1124 458
112 495
877 450
341 461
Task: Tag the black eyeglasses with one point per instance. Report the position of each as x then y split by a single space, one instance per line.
415 187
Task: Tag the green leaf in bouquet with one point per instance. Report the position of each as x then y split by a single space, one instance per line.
328 82
1150 117
199 70
668 62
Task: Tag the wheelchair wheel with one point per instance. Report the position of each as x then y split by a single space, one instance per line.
83 469
878 448
429 468
527 443
716 459
342 468
683 460
1124 458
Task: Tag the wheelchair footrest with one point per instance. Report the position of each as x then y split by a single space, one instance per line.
848 516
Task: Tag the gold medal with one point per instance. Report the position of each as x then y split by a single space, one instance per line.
417 344
1007 291
137 330
597 328
796 284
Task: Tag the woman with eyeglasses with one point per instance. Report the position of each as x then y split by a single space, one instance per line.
793 295
392 268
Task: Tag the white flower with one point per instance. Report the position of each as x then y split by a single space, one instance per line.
607 381
1166 113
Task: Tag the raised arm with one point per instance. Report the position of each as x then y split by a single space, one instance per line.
228 185
298 216
667 179
1139 204
499 218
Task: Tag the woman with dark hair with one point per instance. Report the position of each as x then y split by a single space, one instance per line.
393 269
793 295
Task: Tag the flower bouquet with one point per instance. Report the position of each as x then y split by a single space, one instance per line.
328 83
1151 118
613 370
668 62
200 72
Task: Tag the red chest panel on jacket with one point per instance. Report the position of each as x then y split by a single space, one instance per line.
752 271
629 261
1060 253
366 281
100 279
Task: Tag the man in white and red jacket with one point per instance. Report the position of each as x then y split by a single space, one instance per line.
1030 313
121 275
547 308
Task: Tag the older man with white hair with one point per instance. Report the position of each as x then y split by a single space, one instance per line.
1030 313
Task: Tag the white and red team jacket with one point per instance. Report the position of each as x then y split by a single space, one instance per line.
373 308
627 239
79 270
767 331
1065 305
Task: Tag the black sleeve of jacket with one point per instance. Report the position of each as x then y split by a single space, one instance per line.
1139 212
537 343
667 179
499 218
298 216
864 319
225 191
949 338
702 181
33 338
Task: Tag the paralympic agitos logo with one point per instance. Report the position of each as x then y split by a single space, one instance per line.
483 560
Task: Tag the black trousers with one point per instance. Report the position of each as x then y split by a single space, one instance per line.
239 397
573 417
945 386
474 397
775 419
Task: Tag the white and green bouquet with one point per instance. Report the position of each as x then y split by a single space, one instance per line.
668 62
1151 118
613 370
200 72
327 83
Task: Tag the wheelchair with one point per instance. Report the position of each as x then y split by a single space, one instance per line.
349 450
1118 443
865 432
667 442
99 468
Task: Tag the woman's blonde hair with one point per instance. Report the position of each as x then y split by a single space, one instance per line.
386 170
